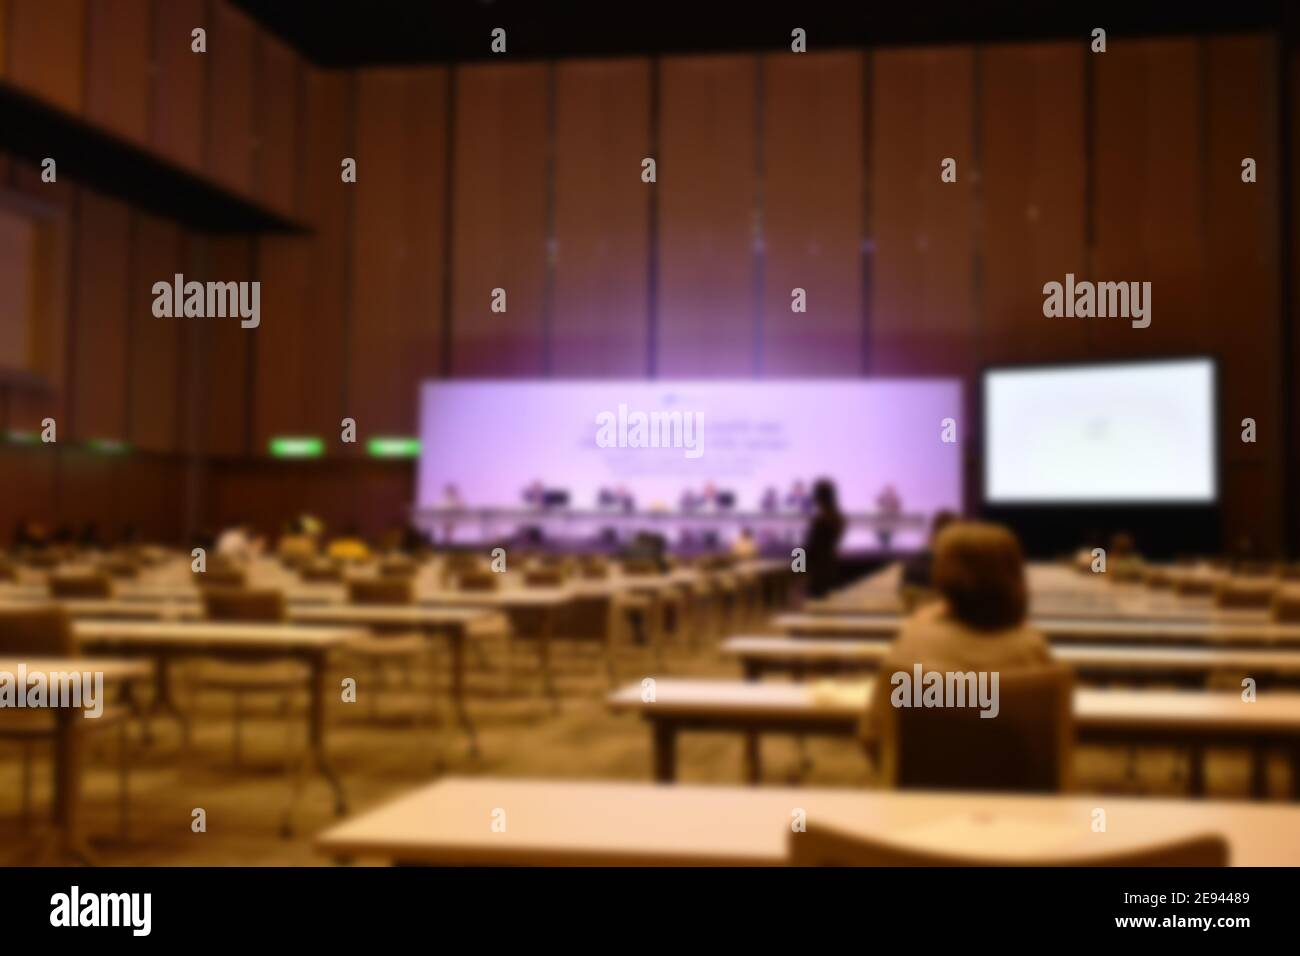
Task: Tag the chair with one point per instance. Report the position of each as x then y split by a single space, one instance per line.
47 632
7 570
399 568
544 577
120 568
222 579
383 644
1194 586
283 681
1240 593
321 573
479 581
828 846
1027 747
81 586
594 569
1286 605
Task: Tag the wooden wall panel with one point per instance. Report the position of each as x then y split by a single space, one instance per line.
45 49
284 343
707 192
99 351
224 354
327 205
27 473
230 142
118 66
602 211
154 392
812 213
1150 193
277 125
395 331
922 310
499 212
1033 179
176 122
1242 278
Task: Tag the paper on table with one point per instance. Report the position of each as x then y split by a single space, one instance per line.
999 836
834 693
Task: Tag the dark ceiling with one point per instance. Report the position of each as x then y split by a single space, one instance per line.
342 33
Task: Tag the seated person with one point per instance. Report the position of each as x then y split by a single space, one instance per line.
979 623
349 547
744 547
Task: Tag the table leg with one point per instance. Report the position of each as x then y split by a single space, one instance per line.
753 759
1259 771
1196 770
544 656
165 700
456 639
316 758
66 809
665 751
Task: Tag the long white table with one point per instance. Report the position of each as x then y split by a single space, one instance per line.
1225 632
808 655
560 823
1194 719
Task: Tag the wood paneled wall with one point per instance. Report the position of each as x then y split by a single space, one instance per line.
774 171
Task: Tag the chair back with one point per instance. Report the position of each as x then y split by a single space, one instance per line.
81 586
399 568
381 591
37 632
220 578
479 581
1286 605
823 845
1027 747
264 606
321 573
544 577
1240 593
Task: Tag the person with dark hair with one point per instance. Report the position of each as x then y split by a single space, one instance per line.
822 542
979 623
917 569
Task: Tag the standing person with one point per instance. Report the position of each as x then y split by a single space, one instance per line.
822 542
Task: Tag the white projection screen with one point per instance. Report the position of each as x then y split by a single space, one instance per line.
1122 432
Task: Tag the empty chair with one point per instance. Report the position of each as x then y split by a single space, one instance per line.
1286 605
1257 569
544 577
35 632
81 586
397 644
1239 593
280 680
398 568
594 569
478 581
120 568
221 579
635 566
823 845
1158 579
1194 585
1028 746
394 590
321 573
8 572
